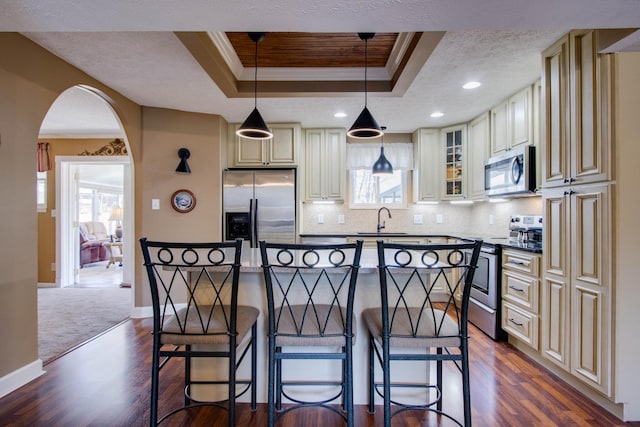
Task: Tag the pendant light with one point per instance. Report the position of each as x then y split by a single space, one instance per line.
382 166
365 125
254 127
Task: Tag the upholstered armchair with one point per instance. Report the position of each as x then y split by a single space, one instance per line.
93 236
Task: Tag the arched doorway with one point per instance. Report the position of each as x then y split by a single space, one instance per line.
83 131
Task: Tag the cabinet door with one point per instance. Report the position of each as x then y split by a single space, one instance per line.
334 159
281 150
590 100
249 152
325 171
591 286
555 93
520 118
555 320
556 232
455 152
478 144
499 128
314 164
426 146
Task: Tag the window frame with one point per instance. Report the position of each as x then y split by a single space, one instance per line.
404 182
41 180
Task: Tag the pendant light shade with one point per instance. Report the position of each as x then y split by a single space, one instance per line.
365 125
382 166
254 127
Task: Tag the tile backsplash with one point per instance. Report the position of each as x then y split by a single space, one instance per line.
481 218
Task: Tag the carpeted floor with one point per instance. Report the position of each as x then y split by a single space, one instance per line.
70 316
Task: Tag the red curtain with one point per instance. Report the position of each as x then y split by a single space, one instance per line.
44 162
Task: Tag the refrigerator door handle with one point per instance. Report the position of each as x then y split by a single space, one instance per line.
255 224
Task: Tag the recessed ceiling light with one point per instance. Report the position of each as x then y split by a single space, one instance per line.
340 115
437 114
471 85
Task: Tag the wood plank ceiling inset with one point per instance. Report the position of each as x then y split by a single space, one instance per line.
315 50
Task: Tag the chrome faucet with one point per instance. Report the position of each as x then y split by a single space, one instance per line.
381 226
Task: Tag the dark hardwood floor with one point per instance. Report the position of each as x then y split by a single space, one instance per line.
106 383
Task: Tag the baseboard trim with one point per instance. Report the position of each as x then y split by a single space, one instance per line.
16 379
46 285
141 312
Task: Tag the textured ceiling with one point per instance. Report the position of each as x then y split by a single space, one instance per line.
132 47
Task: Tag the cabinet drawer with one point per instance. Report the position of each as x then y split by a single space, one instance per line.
523 262
520 323
521 290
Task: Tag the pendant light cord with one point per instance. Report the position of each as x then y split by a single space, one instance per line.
366 50
255 78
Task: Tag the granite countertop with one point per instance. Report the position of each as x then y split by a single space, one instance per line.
503 242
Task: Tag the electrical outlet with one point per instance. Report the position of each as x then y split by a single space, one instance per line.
439 219
320 218
340 219
490 219
417 219
53 266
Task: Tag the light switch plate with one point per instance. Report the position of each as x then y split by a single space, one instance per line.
439 219
417 219
155 204
320 218
341 219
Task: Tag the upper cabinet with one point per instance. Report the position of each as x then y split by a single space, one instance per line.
478 149
426 155
325 170
512 122
279 151
455 161
577 102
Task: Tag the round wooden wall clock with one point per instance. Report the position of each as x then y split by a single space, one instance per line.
183 201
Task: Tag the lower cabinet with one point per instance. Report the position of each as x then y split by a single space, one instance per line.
521 295
576 287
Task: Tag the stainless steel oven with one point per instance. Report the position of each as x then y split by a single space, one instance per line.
484 301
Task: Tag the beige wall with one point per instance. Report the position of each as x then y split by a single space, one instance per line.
627 212
47 223
166 131
30 80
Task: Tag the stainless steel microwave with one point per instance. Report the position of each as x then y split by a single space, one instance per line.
513 172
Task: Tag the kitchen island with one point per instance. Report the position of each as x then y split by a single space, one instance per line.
252 292
504 242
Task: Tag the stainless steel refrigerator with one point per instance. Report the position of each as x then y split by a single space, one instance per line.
259 204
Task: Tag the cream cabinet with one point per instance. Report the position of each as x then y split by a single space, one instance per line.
426 183
577 282
512 122
577 191
279 151
478 149
577 101
325 169
521 295
454 151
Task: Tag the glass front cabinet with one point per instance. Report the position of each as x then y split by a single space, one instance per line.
455 162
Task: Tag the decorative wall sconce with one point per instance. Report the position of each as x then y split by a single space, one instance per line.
183 166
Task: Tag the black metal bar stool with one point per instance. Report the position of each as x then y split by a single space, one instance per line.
310 296
417 324
194 292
